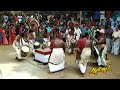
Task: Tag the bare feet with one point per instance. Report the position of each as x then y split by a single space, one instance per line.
50 73
83 74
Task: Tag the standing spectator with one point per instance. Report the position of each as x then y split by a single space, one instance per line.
1 36
77 32
102 15
102 22
114 23
108 14
13 34
16 18
83 29
116 42
96 16
5 41
108 33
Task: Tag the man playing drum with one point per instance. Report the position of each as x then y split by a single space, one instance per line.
84 45
18 44
101 49
56 61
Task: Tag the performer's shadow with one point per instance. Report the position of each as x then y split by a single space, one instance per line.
92 64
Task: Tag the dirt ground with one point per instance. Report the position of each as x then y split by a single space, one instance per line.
10 68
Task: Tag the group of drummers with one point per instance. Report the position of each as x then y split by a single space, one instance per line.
83 45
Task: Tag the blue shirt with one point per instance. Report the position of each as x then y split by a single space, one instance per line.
112 23
96 15
49 29
83 29
109 31
0 36
63 29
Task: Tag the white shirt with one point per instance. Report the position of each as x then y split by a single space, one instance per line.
102 16
101 31
5 18
116 34
77 31
114 28
19 18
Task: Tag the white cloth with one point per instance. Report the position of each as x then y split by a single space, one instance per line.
109 44
17 46
56 61
101 59
102 16
34 35
77 32
85 56
101 31
83 67
19 19
5 18
116 43
31 45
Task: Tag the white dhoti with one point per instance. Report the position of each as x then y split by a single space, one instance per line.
18 51
116 47
85 57
19 44
31 45
56 61
101 59
109 44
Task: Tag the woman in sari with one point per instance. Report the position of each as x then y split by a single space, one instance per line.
13 34
5 41
9 35
1 36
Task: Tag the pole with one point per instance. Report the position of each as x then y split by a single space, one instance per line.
80 17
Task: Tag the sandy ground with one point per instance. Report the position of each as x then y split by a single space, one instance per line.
29 69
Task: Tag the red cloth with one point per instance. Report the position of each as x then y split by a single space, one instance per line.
102 35
43 53
0 30
52 44
5 41
108 14
16 18
0 39
77 53
48 35
13 35
75 23
88 24
20 30
81 43
10 41
0 42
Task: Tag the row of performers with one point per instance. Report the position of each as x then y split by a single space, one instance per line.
86 48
